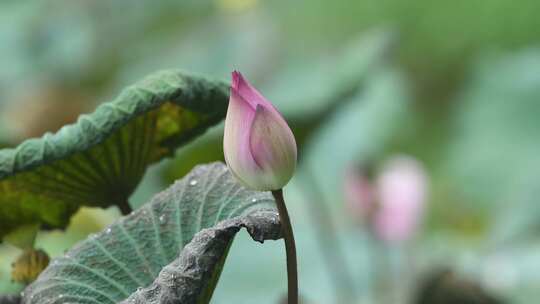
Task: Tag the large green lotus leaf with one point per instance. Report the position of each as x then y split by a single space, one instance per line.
188 227
494 144
99 160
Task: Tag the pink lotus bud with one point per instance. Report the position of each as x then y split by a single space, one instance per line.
259 146
359 193
402 187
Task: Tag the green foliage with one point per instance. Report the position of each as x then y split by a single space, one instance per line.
189 226
99 160
495 142
435 34
358 131
496 127
477 135
321 83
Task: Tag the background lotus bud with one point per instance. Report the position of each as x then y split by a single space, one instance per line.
401 192
359 193
29 265
259 146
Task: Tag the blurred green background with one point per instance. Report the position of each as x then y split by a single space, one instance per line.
455 84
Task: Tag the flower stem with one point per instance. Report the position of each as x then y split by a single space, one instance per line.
290 247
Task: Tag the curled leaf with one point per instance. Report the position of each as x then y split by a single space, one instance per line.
185 279
188 227
99 160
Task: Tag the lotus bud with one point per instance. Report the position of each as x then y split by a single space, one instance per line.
259 146
401 192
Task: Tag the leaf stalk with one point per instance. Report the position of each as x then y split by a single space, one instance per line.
125 207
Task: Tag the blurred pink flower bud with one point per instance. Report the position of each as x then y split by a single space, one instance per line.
359 193
402 189
259 146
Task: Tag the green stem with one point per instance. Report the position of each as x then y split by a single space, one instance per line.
290 247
